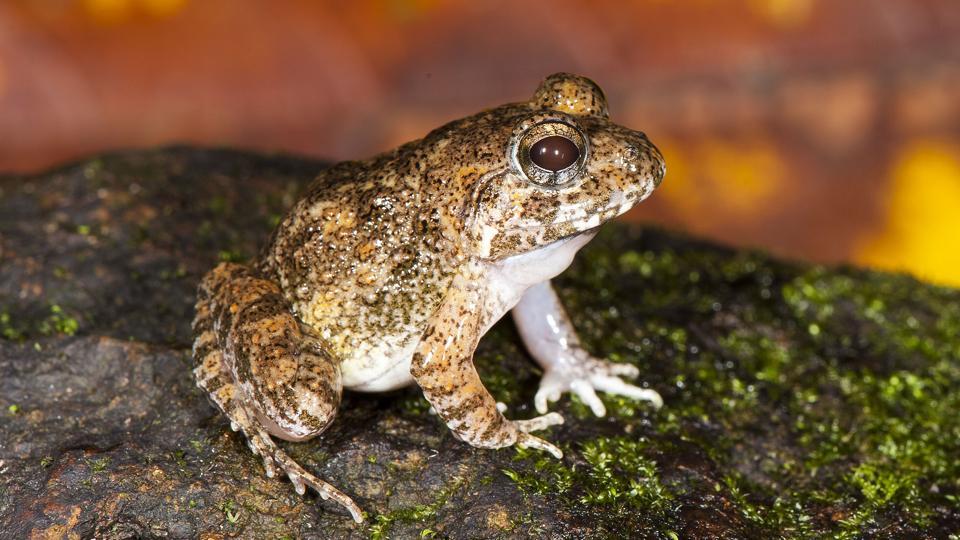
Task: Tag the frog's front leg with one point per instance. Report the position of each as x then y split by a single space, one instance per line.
443 367
552 341
266 373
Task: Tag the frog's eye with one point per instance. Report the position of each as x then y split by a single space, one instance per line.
551 153
554 153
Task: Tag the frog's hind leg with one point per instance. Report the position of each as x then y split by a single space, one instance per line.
236 320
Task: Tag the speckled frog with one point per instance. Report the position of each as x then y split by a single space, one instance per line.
388 271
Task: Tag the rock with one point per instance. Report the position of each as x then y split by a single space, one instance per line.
801 401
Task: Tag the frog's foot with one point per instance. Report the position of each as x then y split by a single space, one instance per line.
301 479
274 458
583 375
223 394
525 440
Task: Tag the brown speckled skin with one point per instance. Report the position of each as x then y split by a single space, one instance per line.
378 273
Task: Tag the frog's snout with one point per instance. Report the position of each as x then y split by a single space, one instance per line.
640 161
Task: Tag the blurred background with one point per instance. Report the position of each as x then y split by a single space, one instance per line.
816 129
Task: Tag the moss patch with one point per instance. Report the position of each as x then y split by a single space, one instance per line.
824 399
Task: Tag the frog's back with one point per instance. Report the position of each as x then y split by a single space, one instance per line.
359 263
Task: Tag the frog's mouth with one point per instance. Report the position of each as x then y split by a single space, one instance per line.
543 220
535 237
576 234
589 219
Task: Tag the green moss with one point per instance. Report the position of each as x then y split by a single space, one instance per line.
218 205
8 329
413 404
621 478
611 475
230 512
826 398
231 255
548 475
98 465
58 322
414 514
783 516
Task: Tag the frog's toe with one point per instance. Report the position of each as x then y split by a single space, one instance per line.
300 479
544 394
297 482
588 376
615 385
525 440
629 371
556 382
268 464
584 390
540 422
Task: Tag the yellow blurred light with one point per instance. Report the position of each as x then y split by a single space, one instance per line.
744 176
719 179
784 12
922 233
678 186
108 11
163 8
114 11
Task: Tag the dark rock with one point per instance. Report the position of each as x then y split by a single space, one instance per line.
800 401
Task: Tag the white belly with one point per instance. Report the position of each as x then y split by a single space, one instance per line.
380 367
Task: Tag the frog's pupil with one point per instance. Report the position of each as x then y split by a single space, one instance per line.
554 153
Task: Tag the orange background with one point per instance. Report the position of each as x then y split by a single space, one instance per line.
825 130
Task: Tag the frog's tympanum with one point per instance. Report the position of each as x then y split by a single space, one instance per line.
388 271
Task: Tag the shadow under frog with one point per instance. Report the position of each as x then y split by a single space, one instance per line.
389 270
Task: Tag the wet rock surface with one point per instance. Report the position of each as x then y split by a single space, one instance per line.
800 400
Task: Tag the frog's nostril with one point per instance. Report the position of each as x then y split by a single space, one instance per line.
554 153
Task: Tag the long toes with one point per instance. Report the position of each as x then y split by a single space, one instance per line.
629 371
614 385
297 482
550 390
269 466
525 440
544 394
585 392
540 401
540 422
326 491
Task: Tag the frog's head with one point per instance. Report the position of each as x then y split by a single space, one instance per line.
562 169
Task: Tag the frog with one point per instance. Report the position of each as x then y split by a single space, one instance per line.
387 271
